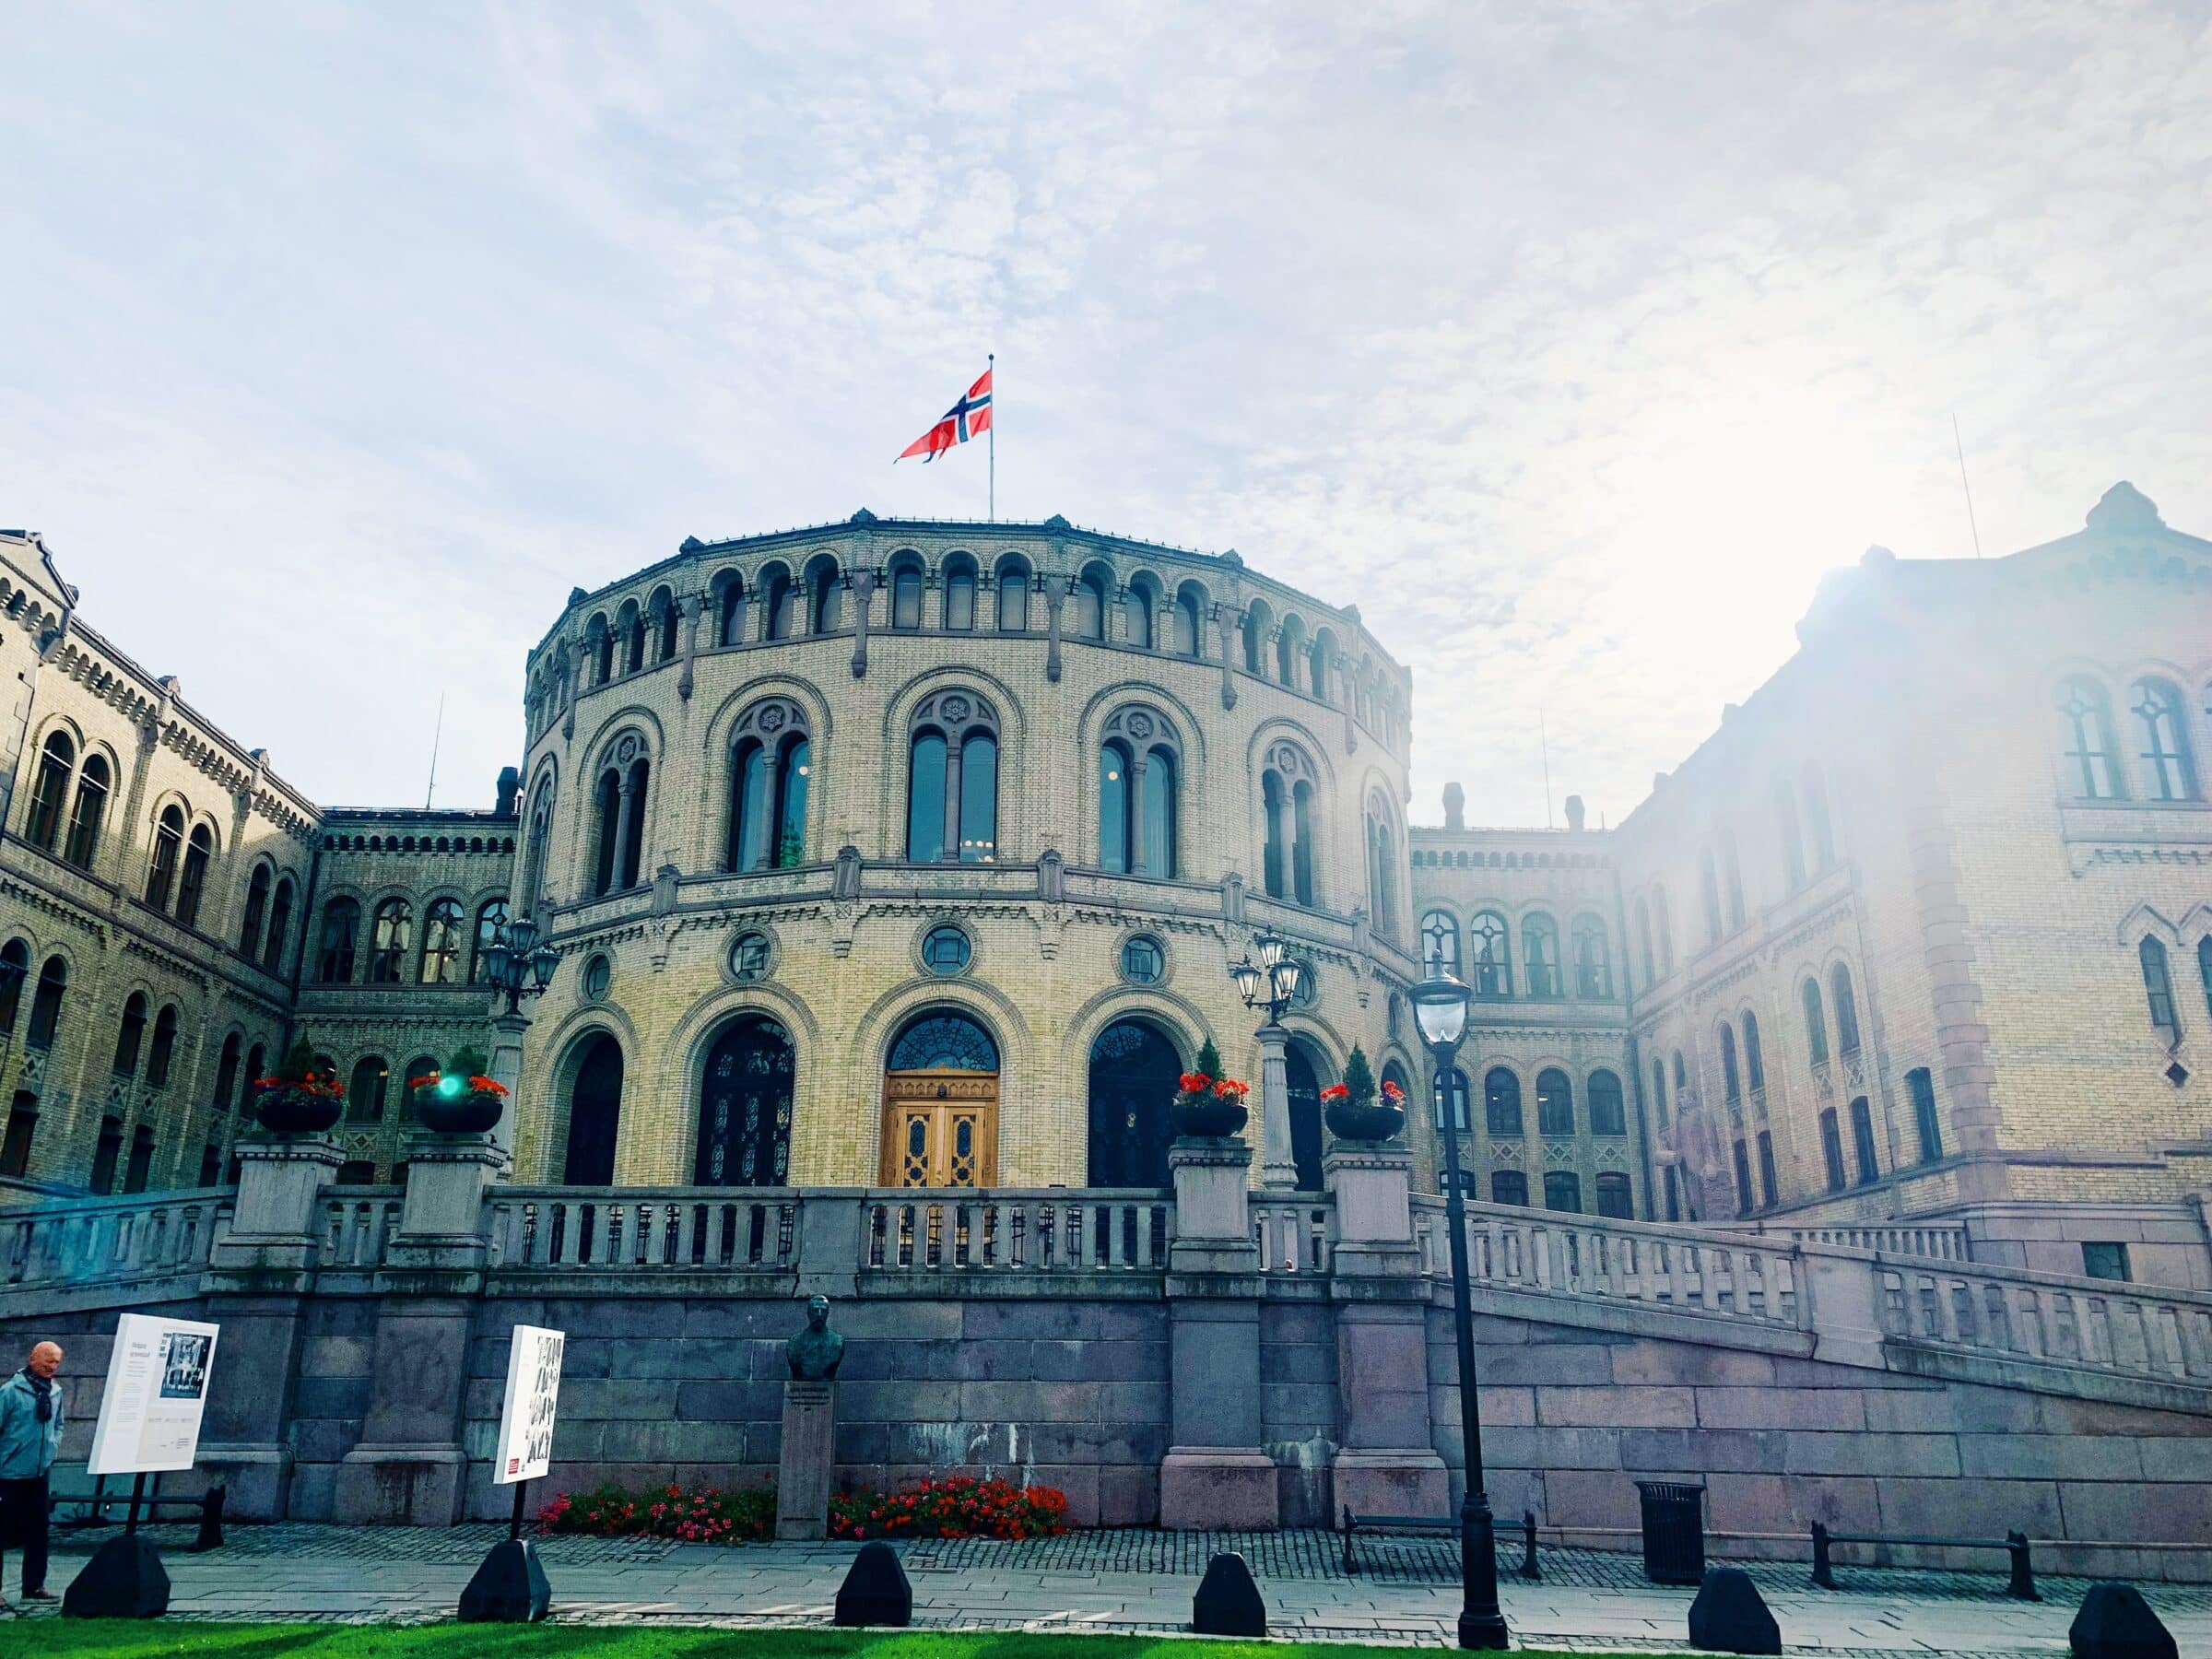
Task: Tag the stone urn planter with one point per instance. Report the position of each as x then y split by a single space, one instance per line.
459 1100
1208 1106
288 1111
1351 1110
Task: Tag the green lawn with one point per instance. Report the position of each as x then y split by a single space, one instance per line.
157 1639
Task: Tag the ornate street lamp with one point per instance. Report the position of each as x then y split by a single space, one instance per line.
516 965
1440 1009
1271 984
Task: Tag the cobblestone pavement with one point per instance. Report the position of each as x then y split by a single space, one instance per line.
1125 1580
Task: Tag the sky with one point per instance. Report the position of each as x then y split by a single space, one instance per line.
1570 341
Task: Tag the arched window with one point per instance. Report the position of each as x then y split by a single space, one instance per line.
1643 943
57 760
1743 1181
729 609
256 912
1301 1087
1608 1111
1502 1103
780 595
1663 919
1113 808
390 938
442 942
1289 651
365 1094
1139 779
1847 1011
1013 596
46 1004
744 1106
193 886
1862 1139
169 845
1766 1169
421 1066
1540 954
1616 1199
1133 1073
826 596
2157 987
600 642
960 593
906 596
1382 865
952 781
1920 1087
335 945
1190 612
1732 871
85 816
491 920
105 1155
15 968
594 1115
1593 962
1681 1079
770 766
1815 815
1318 659
226 1074
22 1124
279 937
633 636
1090 604
1816 1023
2169 769
2085 729
1709 882
130 1035
1732 1077
1138 603
1254 630
618 820
2204 970
664 617
1286 801
162 1054
1793 834
1451 1093
1440 943
1554 1102
141 1167
1659 1093
944 1041
1508 1186
1831 1150
1493 962
1755 1065
1562 1189
1301 840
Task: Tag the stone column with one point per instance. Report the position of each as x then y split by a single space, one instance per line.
508 1030
952 798
1056 593
864 591
1215 1474
261 1274
627 806
693 604
575 688
410 1467
1278 1166
1228 622
1138 768
1348 697
1386 1461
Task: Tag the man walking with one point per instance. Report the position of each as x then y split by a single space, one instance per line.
30 1438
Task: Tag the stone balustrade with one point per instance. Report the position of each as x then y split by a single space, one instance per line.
1008 1231
1295 1232
356 1224
646 1230
135 1238
2094 1325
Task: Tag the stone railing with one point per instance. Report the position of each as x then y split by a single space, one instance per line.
1903 1239
676 1229
1051 1230
91 1240
1296 1233
2099 1325
354 1224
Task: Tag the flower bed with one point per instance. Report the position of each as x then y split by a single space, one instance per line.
710 1516
956 1507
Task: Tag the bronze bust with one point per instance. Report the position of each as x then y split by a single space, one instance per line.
814 1353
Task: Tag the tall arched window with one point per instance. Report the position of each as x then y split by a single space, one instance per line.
1608 1111
1287 798
906 594
599 643
169 845
825 596
193 885
779 597
335 944
771 764
1815 1022
1831 1150
105 1154
1659 1092
2169 769
1540 954
1257 624
1815 815
140 1169
130 1035
729 609
666 616
441 925
1755 1065
2085 729
1920 1089
1493 962
1289 651
1133 1073
960 593
952 781
491 921
1663 920
1139 778
1709 883
633 636
1090 604
1190 614
256 912
1593 962
1732 871
85 816
744 1106
1502 1103
226 1076
46 1004
15 968
1643 943
1317 663
279 937
57 759
1862 1140
1113 808
594 1115
1792 833
2157 987
1139 604
1013 596
1440 943
1382 865
1847 1011
1554 1102
1732 1077
618 820
365 1094
162 1054
390 938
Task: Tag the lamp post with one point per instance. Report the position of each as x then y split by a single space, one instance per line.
1440 1009
517 963
1271 984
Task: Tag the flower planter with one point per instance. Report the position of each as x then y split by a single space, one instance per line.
1374 1122
468 1113
296 1112
1207 1117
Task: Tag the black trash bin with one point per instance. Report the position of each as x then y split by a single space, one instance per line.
1674 1532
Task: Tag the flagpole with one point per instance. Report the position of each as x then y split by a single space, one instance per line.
991 367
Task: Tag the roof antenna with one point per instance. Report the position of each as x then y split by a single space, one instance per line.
437 732
1963 485
1544 746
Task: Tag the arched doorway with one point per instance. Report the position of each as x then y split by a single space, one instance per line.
744 1106
594 1112
1132 1074
940 1104
1304 1090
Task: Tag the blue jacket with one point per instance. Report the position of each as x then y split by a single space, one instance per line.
27 1447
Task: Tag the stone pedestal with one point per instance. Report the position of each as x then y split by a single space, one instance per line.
1278 1166
506 1070
1374 1214
273 1222
804 1471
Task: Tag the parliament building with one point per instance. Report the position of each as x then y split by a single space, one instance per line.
891 853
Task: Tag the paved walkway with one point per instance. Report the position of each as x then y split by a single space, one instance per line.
1123 1580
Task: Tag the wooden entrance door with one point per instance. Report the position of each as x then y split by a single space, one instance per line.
940 1129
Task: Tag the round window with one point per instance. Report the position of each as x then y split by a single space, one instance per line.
945 950
599 973
749 957
1309 987
1143 961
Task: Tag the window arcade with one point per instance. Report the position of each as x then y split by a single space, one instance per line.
952 781
771 763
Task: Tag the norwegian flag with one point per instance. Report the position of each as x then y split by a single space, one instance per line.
968 419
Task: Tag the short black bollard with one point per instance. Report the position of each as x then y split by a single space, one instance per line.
2115 1622
1730 1616
210 1536
875 1590
507 1587
2022 1587
1529 1570
124 1579
1824 1573
1228 1602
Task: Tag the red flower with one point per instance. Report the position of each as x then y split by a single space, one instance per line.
1194 1082
1391 1093
1335 1091
1228 1088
